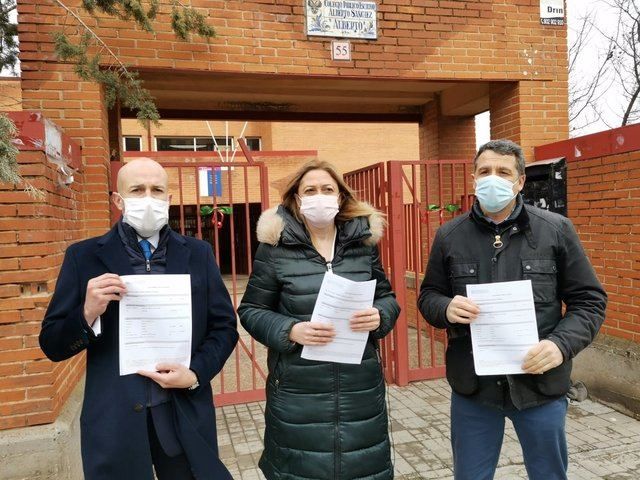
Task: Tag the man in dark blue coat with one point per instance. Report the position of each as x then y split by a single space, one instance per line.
163 418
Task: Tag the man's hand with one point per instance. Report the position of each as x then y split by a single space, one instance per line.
462 310
312 333
542 357
365 320
171 375
100 291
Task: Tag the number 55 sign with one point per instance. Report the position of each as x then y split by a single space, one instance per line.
340 50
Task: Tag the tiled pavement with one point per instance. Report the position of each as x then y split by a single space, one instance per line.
603 444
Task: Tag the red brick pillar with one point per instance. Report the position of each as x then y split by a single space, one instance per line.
32 389
78 108
530 113
34 232
457 138
428 133
446 137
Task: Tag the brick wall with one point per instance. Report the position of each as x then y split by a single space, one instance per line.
417 39
500 41
34 233
76 107
349 146
604 205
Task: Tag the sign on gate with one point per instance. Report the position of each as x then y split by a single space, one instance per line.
210 181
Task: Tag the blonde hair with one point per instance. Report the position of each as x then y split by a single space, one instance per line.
350 206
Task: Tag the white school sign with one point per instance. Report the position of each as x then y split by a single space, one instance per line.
342 19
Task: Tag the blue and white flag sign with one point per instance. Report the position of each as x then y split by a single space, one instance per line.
210 181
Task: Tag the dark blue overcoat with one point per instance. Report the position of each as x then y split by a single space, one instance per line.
113 425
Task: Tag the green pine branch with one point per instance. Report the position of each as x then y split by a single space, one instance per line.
120 84
8 151
185 20
8 37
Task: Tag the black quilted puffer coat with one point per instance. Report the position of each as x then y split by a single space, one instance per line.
323 420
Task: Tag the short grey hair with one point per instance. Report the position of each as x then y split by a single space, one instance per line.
503 147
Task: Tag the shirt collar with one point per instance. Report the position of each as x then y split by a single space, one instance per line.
153 239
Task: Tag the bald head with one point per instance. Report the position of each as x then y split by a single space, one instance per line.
139 168
141 177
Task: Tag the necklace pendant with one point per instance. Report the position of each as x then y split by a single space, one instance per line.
498 242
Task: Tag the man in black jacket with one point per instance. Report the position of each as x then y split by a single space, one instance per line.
502 239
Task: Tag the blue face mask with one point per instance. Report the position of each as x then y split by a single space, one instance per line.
494 193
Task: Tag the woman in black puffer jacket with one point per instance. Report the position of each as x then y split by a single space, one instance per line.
324 420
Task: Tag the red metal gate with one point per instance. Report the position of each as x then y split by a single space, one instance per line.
225 216
417 198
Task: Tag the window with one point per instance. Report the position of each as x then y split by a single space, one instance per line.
132 144
253 143
192 144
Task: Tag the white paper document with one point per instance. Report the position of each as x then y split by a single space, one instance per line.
155 322
339 298
506 327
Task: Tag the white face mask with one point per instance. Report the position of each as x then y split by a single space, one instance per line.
147 215
319 210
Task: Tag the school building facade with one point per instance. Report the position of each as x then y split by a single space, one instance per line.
434 63
413 92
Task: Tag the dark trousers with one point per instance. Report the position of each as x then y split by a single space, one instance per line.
477 432
166 467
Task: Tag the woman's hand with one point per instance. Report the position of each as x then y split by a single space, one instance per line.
365 320
312 333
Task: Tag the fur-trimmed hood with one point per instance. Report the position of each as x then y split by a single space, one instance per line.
272 223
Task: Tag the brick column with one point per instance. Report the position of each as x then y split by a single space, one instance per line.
78 108
530 113
428 133
34 231
446 137
32 389
457 138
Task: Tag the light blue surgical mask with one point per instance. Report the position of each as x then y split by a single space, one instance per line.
494 193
